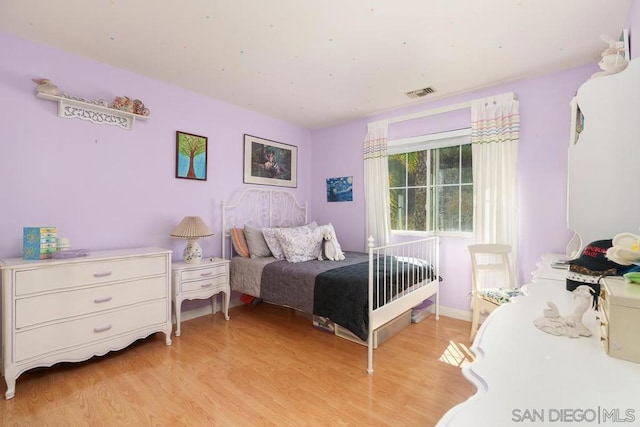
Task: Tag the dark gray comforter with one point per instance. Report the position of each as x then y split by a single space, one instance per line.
339 289
292 284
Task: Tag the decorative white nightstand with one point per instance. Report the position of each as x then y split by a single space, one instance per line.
200 281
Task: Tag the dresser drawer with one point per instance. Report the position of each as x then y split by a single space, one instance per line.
72 275
208 283
204 273
43 308
80 332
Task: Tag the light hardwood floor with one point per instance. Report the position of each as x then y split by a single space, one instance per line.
267 366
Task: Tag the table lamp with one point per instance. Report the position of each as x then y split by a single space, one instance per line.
192 228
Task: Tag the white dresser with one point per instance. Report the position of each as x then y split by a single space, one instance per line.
524 376
72 309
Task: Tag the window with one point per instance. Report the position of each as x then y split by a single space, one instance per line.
431 183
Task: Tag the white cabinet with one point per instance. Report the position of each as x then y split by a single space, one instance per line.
603 198
72 309
201 281
619 311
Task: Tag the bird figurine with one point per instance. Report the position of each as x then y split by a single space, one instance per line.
45 86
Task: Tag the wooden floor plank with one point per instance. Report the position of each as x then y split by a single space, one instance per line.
267 366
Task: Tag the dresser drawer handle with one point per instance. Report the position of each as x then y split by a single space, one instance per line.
206 274
102 329
206 285
104 274
103 299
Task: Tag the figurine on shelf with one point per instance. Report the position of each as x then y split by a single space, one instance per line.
122 103
613 60
45 86
139 108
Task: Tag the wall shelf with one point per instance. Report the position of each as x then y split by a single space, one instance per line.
69 108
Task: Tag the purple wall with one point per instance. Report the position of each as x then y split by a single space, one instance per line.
106 187
542 168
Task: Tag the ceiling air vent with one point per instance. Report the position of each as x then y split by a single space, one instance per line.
419 93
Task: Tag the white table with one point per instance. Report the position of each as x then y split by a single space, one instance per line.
524 376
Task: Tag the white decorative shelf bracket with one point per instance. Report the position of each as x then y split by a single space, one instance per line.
69 108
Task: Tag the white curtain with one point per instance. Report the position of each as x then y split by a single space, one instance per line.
376 183
495 124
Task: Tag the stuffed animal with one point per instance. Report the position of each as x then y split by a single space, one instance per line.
329 250
613 60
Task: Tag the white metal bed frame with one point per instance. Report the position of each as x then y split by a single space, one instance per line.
266 207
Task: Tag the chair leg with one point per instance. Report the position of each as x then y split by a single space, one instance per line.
475 318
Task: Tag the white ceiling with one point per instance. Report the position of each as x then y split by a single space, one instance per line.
317 63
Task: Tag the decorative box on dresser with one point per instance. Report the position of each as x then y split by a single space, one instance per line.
619 315
199 281
69 310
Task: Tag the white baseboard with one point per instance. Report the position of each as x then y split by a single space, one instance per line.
455 313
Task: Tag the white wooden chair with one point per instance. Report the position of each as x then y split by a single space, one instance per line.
492 280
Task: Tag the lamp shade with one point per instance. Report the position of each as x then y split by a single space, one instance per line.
191 227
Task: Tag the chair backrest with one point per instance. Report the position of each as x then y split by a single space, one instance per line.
490 266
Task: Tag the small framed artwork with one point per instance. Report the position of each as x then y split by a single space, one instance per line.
191 156
340 189
269 162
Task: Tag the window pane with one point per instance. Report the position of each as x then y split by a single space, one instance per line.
397 170
449 165
417 214
417 168
448 208
467 171
397 199
467 208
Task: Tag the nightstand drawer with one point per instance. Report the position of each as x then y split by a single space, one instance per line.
60 305
207 283
204 273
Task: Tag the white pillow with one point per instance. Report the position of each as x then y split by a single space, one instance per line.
270 237
272 241
301 243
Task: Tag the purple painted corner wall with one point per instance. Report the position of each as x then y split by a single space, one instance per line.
105 187
544 138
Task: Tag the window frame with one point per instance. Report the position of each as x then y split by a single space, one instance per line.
430 142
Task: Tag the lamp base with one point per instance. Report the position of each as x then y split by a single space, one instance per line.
192 252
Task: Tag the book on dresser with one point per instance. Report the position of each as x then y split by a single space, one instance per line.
69 310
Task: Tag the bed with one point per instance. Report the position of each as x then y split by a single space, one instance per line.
360 294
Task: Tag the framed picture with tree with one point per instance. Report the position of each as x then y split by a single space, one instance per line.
191 156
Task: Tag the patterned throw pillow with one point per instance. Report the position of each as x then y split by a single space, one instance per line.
269 234
300 244
272 240
239 242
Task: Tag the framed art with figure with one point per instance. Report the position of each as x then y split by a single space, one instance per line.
269 162
191 156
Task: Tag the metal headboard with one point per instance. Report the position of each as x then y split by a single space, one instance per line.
261 207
